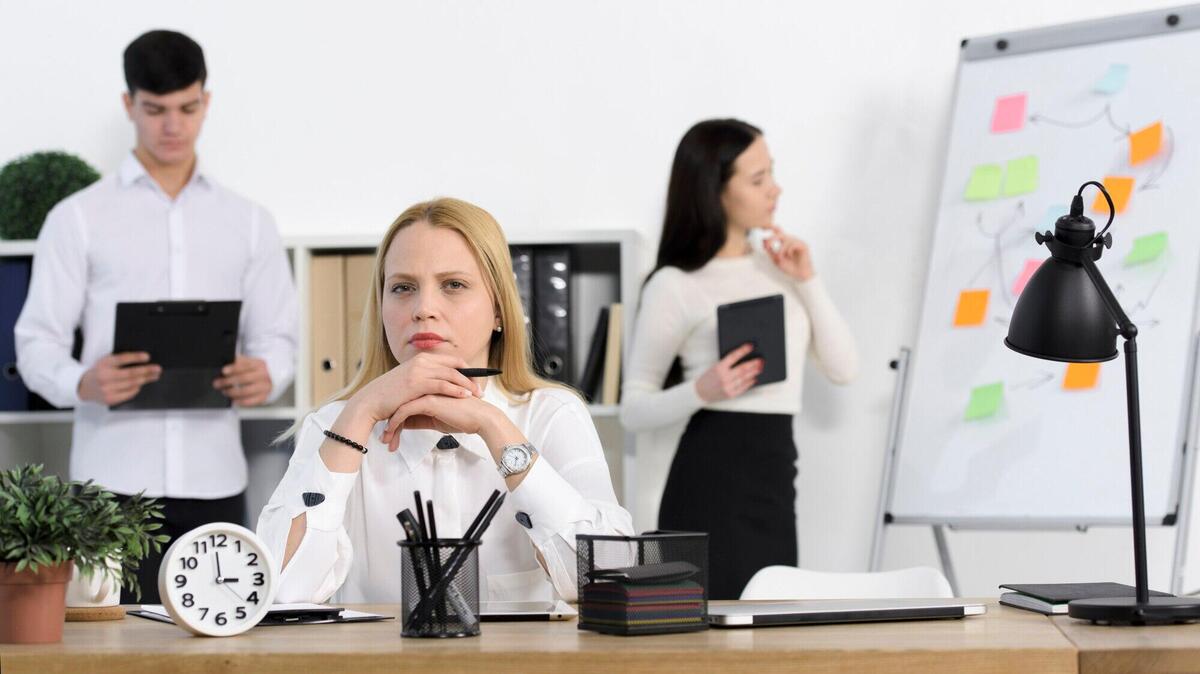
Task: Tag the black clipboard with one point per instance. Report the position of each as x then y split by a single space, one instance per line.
759 322
191 340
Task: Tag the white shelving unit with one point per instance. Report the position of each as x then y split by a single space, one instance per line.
45 435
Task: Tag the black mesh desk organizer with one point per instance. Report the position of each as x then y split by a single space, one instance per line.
655 583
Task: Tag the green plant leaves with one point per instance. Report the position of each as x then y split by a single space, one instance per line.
45 521
31 185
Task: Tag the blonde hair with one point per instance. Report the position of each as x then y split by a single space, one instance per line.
509 350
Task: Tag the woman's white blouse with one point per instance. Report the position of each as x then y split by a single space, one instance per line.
350 544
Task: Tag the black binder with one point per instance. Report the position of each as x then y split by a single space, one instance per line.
522 259
14 286
552 312
593 367
190 340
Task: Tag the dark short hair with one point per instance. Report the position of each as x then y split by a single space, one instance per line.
162 61
694 222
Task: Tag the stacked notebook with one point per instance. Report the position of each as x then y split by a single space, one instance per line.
644 599
620 607
1052 598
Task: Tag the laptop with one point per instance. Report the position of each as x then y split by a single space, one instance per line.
827 611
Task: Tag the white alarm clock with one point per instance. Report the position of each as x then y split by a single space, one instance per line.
217 580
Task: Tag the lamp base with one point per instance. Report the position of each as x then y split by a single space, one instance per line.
1127 610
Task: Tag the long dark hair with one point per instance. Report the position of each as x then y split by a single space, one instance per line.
694 224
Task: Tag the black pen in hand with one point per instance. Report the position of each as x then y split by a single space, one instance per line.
479 371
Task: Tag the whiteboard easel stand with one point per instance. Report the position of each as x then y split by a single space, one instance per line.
1181 519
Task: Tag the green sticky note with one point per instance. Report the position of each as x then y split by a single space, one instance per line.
1146 249
985 401
1022 176
984 183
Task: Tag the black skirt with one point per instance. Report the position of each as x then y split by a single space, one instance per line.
734 477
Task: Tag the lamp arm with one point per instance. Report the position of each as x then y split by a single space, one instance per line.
1134 420
1127 328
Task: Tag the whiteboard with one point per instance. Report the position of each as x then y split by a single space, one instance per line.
1049 445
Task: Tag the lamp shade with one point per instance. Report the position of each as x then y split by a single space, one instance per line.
1060 314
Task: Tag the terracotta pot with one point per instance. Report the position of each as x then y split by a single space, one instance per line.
33 605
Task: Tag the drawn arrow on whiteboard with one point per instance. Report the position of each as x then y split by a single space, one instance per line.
1106 113
1041 380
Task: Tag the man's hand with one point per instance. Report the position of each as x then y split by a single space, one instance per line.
117 377
245 381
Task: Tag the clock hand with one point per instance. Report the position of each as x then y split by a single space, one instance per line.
240 597
218 556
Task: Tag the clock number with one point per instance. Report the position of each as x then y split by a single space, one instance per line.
238 545
203 612
180 580
188 600
187 562
253 598
253 559
220 619
217 540
241 612
258 578
200 547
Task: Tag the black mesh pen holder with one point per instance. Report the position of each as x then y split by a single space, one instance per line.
654 583
439 591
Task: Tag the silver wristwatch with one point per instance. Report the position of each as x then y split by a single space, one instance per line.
515 459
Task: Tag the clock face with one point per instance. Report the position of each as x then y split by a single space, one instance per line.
217 580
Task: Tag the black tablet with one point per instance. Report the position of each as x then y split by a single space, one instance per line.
190 340
759 322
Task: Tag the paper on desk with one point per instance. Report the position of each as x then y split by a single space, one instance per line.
159 613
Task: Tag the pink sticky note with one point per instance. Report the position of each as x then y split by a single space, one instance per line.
1026 271
1009 114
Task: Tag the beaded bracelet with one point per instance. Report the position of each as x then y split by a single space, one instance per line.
345 441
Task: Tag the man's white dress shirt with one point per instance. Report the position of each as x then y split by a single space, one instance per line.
124 240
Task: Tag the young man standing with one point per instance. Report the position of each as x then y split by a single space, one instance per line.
160 228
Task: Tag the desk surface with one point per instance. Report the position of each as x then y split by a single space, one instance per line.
1105 649
1003 640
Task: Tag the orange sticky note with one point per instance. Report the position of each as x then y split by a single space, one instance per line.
1145 143
1081 376
972 307
1120 188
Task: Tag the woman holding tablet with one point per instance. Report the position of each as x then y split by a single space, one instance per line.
443 298
734 470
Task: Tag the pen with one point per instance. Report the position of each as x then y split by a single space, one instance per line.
479 371
429 601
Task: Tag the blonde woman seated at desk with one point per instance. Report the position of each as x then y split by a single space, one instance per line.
443 298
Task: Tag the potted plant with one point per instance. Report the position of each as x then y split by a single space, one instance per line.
47 527
32 184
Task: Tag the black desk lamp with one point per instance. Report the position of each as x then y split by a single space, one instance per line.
1068 313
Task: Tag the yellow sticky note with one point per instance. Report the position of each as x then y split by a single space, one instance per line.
1081 376
1120 188
972 307
1021 176
1146 143
985 183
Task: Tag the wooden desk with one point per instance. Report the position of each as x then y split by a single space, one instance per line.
1105 649
1003 640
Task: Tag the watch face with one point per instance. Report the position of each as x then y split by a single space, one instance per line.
515 459
217 580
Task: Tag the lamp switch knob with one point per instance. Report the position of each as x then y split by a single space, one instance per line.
1107 241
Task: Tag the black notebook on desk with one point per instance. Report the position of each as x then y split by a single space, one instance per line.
1052 598
191 340
759 322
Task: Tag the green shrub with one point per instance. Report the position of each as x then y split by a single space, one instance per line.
45 521
31 185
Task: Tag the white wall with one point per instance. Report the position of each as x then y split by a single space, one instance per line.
565 114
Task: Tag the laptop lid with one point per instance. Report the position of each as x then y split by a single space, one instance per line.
826 611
